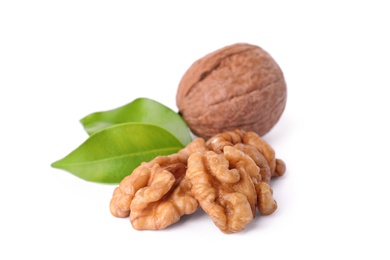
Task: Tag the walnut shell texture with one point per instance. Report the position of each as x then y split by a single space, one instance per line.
238 86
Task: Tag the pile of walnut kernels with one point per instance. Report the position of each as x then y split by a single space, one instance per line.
228 176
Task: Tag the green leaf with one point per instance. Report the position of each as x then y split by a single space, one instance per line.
141 110
113 153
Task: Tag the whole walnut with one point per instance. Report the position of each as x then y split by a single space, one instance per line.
238 86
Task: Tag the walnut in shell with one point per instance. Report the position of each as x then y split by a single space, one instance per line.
238 86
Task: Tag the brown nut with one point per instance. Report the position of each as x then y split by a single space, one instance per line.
238 86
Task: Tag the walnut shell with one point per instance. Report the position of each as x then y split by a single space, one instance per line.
238 86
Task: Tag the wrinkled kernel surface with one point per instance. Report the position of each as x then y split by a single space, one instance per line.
224 191
157 193
228 176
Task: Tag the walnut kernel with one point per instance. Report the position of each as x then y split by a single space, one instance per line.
224 188
228 176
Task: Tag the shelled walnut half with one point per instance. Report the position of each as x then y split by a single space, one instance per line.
228 187
157 193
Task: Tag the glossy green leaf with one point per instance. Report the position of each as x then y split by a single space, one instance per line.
142 110
114 152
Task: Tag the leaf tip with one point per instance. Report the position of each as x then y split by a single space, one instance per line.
56 164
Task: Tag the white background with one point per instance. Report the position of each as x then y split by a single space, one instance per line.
61 60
